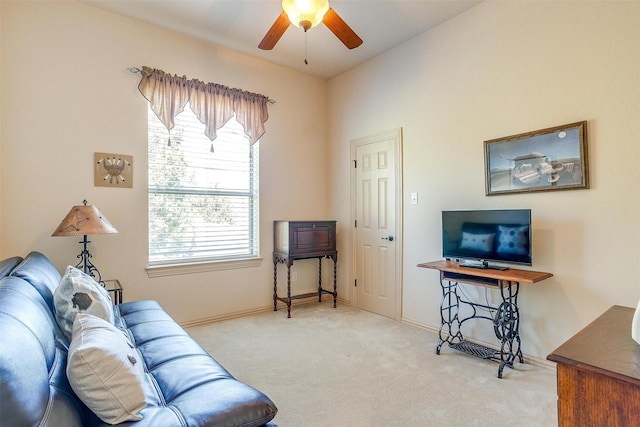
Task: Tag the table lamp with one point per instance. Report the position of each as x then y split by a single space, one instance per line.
81 221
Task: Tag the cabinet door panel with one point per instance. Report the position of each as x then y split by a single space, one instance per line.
313 237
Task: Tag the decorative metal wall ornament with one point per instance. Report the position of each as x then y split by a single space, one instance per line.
546 159
113 170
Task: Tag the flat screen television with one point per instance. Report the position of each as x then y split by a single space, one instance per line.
478 238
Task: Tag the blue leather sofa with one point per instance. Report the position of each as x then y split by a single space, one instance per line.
186 386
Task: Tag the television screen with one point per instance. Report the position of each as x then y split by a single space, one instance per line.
502 236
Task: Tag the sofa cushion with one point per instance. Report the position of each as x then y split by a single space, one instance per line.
40 273
105 370
192 386
6 265
79 293
34 390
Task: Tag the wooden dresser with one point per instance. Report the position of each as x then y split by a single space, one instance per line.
296 240
599 373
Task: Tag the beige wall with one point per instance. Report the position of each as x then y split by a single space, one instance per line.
1 195
499 69
66 93
504 68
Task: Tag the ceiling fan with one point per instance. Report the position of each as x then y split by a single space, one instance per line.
307 14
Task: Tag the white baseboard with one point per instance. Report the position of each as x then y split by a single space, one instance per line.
237 314
265 309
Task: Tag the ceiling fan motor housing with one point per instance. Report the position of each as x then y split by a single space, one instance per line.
305 14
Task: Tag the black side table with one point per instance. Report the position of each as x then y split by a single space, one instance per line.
114 286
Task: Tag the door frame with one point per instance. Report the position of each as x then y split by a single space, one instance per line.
396 134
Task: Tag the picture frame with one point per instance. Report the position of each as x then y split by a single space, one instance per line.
543 160
112 170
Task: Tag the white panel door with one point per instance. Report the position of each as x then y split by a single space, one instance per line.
376 235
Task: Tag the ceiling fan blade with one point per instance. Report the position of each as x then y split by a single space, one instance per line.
340 28
275 32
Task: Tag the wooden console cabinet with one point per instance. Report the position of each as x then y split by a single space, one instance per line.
295 240
599 373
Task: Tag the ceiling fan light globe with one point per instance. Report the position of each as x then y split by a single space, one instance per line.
305 13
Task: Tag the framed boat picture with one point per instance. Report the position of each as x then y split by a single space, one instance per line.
543 160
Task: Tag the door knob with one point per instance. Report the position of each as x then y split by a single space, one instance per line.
390 238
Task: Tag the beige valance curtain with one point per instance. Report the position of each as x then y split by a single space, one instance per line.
212 103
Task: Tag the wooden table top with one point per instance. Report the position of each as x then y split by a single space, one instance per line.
605 346
512 274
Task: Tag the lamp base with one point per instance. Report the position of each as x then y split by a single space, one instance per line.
85 263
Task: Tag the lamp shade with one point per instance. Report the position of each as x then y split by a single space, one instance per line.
305 13
83 220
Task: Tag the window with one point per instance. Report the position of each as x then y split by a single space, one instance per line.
203 196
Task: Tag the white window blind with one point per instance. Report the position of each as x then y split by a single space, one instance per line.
203 205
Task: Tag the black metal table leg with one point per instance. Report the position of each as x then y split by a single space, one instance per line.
449 320
507 326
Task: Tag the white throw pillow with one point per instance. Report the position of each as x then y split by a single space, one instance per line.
79 293
105 370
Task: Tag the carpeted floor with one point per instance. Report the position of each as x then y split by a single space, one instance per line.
348 367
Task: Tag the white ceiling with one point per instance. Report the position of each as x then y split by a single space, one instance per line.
241 24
